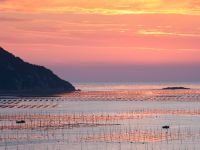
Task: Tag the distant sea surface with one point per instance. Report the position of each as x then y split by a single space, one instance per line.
114 86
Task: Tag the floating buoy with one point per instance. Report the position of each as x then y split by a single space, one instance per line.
20 121
165 127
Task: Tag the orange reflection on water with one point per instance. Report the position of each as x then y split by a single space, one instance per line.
138 136
135 95
34 121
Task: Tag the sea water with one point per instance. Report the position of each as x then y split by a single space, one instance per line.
104 116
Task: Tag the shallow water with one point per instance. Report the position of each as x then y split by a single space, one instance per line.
124 118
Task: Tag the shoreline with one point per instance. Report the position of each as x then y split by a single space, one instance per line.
50 93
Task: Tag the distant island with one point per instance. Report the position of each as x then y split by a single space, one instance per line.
17 76
175 88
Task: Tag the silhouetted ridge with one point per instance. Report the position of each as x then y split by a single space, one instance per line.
17 75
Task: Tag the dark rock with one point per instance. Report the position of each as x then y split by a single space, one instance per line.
176 88
19 76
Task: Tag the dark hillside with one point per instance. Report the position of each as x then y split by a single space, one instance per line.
18 76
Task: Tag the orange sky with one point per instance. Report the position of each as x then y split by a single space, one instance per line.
109 32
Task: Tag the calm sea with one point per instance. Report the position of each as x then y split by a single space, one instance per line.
110 86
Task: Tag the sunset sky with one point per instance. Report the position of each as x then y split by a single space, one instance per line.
106 40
